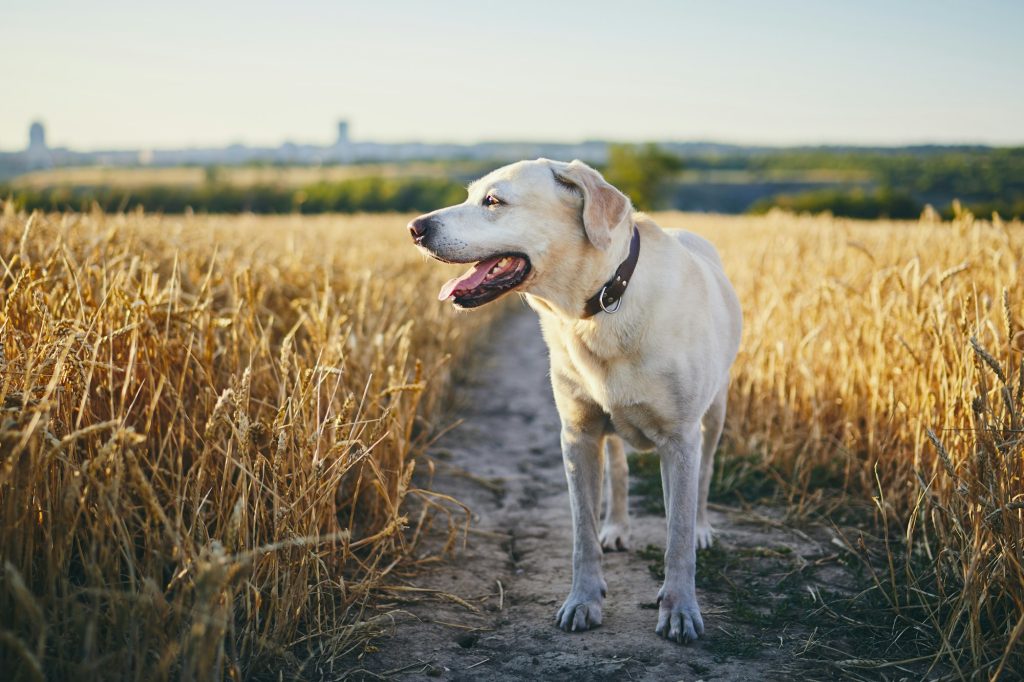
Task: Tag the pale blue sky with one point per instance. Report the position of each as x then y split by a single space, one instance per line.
102 73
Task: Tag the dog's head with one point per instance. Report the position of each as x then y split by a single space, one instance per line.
541 227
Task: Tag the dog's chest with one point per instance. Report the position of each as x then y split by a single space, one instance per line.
643 402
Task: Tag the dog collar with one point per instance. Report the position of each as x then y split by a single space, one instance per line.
610 297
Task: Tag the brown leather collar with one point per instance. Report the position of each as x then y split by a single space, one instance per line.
610 296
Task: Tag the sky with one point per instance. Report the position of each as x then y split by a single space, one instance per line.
105 74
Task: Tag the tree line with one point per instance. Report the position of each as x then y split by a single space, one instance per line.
357 195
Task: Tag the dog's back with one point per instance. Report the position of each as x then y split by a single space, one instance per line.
696 244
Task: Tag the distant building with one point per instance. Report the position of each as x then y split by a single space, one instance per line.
36 136
343 149
37 153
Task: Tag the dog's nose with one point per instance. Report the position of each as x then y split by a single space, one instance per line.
420 227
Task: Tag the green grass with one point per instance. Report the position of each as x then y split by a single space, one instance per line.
645 481
737 478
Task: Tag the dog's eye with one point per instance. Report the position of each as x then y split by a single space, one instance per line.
491 200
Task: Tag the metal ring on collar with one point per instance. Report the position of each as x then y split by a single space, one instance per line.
600 302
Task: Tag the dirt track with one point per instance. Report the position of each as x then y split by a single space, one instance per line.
505 463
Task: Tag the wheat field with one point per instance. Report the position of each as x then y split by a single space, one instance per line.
210 427
208 437
881 382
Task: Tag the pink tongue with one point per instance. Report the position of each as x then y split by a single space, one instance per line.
467 280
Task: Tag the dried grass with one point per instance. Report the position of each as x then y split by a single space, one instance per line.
208 430
207 438
879 374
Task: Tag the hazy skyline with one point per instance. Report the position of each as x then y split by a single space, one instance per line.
122 75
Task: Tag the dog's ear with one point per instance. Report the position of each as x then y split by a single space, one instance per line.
604 207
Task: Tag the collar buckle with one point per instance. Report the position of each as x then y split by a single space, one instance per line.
600 302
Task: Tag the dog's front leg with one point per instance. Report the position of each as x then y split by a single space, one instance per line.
584 469
679 616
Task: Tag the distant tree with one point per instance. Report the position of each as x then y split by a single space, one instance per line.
882 203
211 174
643 172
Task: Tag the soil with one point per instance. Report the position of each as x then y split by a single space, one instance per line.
488 611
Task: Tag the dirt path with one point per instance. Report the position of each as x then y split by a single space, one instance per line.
515 571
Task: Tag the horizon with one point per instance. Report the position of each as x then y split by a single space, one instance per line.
327 143
793 74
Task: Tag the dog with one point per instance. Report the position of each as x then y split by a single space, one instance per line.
642 326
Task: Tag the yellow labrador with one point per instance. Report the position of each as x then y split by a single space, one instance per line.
642 327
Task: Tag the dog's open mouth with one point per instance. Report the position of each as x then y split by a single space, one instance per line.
486 280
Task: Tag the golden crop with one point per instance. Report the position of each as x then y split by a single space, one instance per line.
207 436
209 426
883 360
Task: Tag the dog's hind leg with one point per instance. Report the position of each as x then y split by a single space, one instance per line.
615 529
711 432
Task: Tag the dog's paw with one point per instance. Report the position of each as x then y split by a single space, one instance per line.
678 619
704 535
580 612
614 537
